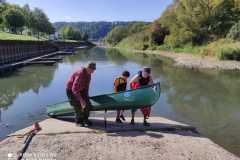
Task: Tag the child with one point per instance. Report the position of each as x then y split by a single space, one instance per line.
120 84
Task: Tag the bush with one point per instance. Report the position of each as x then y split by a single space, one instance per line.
117 34
136 41
234 32
185 49
223 50
229 54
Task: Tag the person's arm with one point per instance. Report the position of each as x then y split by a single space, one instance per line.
134 79
79 89
151 81
116 83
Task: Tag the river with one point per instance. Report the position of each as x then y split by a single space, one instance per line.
206 99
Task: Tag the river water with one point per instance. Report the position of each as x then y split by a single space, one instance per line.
208 100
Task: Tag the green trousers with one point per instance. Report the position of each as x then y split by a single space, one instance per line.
80 114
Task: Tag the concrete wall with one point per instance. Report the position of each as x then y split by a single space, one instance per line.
14 51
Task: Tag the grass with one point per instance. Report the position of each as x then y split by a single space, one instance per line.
186 49
223 49
9 36
68 40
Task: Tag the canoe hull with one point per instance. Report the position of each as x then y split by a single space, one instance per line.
132 99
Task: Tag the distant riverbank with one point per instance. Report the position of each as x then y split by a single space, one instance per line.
191 61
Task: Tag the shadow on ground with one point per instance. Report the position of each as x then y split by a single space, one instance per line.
116 129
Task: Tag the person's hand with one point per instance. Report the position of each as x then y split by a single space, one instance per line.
83 104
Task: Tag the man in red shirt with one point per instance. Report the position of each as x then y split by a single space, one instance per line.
77 92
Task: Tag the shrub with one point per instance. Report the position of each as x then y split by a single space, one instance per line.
234 32
185 49
136 41
223 50
228 54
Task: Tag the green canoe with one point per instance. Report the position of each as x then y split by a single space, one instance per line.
131 99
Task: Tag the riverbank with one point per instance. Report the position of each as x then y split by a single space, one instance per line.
165 139
191 61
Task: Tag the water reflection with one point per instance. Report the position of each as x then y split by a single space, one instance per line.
22 81
19 102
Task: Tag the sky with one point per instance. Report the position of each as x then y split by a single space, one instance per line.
99 10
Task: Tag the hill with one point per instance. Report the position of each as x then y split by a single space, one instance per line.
95 30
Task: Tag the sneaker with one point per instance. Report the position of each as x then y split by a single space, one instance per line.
132 122
122 117
82 124
118 120
89 123
145 123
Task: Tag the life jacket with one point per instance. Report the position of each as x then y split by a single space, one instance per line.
120 84
143 81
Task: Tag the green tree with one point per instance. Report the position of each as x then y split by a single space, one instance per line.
226 14
39 21
85 36
157 33
196 22
50 29
119 33
77 35
27 15
13 19
69 32
116 35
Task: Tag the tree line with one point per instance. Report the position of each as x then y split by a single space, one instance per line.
71 33
95 30
201 21
16 19
192 23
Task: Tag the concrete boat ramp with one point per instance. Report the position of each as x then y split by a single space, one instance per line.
164 140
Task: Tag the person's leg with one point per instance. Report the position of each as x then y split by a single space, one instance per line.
146 114
86 113
121 115
87 109
133 111
75 103
79 116
118 120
